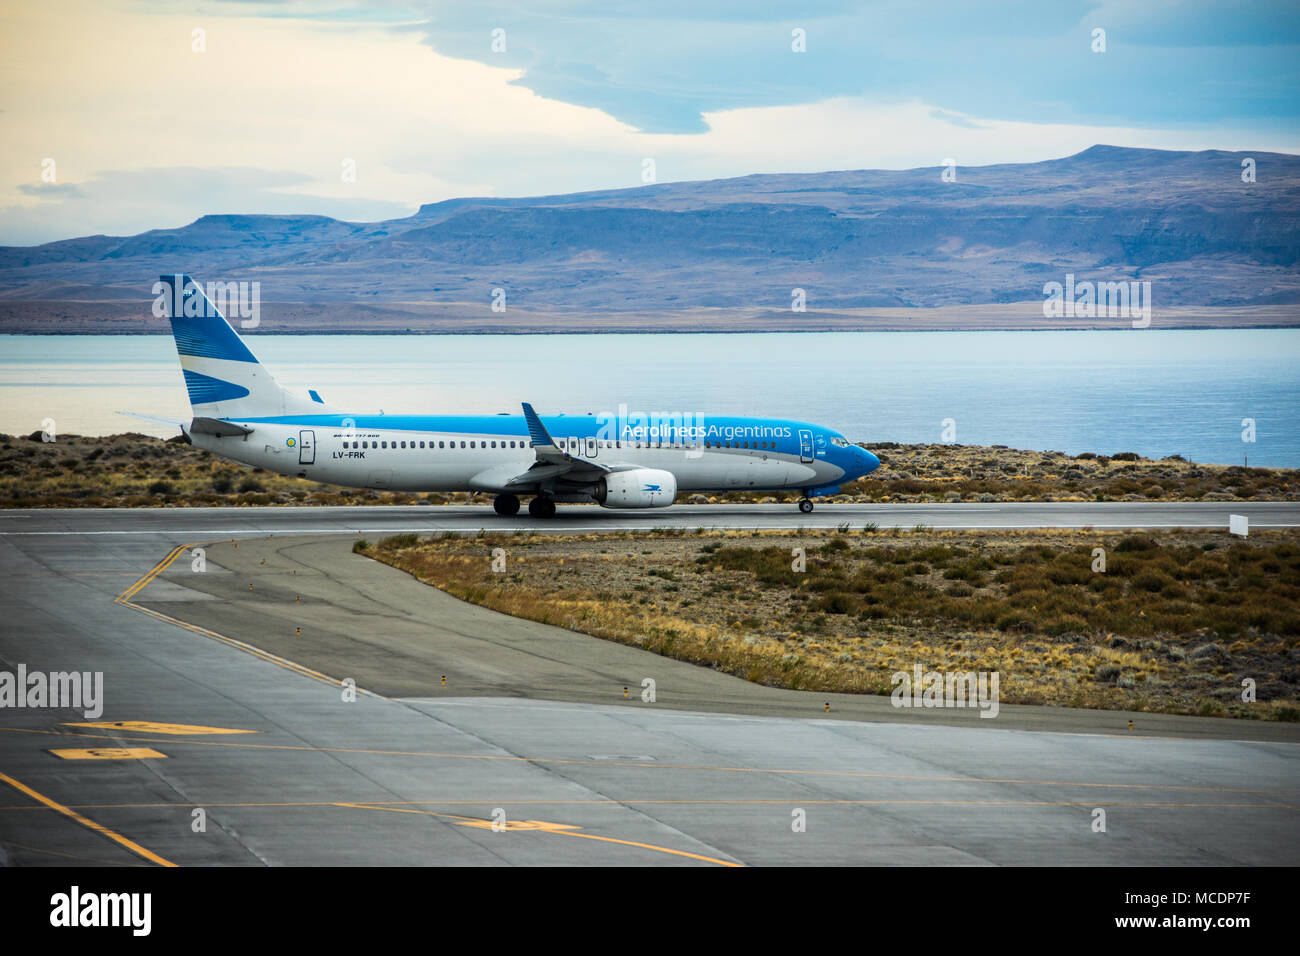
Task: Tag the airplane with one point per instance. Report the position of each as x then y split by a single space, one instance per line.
240 412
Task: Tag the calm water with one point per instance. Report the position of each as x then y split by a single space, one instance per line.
1156 392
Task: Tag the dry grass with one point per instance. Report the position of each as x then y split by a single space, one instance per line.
137 471
1174 624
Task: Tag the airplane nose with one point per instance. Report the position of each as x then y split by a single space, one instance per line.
869 461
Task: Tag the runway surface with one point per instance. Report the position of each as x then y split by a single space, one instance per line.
188 523
532 728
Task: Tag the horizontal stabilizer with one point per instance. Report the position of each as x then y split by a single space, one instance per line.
178 422
213 426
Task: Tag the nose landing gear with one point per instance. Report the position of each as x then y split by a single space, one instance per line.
805 505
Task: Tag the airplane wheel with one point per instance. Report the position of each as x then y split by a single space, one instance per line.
541 507
505 505
805 506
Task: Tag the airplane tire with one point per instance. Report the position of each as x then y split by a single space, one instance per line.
541 507
505 505
805 505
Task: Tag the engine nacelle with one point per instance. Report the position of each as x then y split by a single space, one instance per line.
638 488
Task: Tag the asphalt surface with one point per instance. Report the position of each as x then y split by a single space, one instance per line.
186 524
532 726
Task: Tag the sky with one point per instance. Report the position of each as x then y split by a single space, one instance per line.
118 116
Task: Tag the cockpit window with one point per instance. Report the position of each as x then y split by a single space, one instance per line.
840 442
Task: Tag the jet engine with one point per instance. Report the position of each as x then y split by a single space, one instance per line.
637 488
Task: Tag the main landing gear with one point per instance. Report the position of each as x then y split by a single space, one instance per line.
542 507
505 505
805 505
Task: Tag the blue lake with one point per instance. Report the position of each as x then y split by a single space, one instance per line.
1155 392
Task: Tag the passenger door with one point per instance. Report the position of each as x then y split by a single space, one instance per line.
805 444
306 447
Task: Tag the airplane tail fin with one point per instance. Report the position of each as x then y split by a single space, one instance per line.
223 377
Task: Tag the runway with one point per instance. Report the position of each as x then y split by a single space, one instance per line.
189 523
532 728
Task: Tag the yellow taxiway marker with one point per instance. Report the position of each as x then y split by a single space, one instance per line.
149 727
108 753
516 825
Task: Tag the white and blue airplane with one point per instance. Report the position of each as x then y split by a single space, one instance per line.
240 412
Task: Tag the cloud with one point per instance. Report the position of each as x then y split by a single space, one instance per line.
148 133
54 191
661 68
954 118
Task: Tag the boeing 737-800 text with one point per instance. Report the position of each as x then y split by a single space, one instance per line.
241 412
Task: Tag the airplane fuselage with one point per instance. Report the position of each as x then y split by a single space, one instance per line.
456 453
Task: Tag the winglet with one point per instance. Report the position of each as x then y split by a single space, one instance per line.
541 438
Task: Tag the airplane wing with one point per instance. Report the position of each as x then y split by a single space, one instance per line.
553 461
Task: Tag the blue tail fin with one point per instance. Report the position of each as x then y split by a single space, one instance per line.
223 377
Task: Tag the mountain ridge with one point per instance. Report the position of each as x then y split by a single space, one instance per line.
852 239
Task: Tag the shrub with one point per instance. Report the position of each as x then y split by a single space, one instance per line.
1136 542
1019 621
1150 581
1106 673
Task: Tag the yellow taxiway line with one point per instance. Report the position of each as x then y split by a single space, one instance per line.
87 822
540 826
